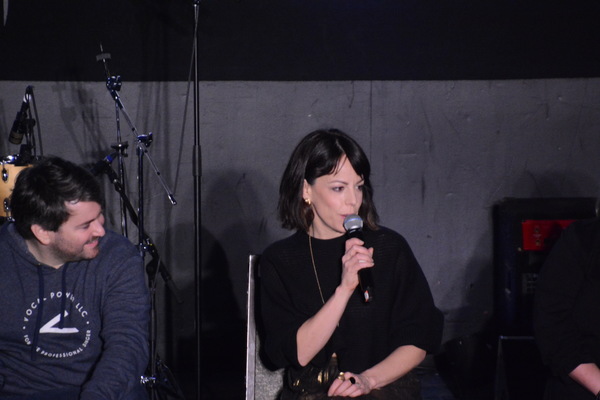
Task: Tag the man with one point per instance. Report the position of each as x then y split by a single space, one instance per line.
75 305
567 313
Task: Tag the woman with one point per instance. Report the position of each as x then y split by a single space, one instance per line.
316 323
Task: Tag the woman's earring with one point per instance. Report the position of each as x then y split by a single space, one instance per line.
307 201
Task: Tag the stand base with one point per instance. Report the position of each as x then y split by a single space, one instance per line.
163 386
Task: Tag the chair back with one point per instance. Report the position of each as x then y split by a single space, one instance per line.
261 383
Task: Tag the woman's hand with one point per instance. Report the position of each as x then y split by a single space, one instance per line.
587 375
314 333
350 385
356 258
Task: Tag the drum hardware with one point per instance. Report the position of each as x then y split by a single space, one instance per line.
23 128
11 167
22 120
145 139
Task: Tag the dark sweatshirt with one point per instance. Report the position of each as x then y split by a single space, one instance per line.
98 349
567 308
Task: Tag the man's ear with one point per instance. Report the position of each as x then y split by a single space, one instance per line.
42 235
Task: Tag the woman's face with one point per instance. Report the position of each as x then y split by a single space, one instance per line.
332 198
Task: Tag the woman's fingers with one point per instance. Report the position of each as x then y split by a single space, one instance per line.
348 385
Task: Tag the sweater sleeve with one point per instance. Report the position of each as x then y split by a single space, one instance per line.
562 280
280 319
417 321
125 320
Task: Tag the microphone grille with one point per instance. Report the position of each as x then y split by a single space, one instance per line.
353 222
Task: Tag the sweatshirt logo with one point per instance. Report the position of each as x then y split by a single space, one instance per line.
51 326
53 341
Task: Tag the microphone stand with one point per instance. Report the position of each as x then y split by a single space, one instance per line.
28 151
145 246
22 128
197 173
113 84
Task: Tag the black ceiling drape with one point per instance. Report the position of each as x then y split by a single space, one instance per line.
151 40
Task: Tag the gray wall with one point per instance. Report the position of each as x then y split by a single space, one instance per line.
443 153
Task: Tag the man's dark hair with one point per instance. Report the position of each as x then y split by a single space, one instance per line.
41 192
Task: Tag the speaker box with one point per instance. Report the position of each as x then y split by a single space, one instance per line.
524 232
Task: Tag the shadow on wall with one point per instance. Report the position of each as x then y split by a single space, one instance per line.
223 333
232 201
222 341
557 184
466 361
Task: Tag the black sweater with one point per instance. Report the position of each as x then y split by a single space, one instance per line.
402 311
567 308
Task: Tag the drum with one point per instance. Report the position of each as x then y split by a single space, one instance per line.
10 167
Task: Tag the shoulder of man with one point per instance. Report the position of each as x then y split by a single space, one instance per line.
117 245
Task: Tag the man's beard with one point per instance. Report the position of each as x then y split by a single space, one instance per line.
70 255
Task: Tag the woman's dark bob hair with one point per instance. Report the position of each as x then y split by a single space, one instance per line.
318 154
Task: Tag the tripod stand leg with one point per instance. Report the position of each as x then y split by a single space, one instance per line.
163 384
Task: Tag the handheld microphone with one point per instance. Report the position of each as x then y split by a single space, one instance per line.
19 128
103 165
353 225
